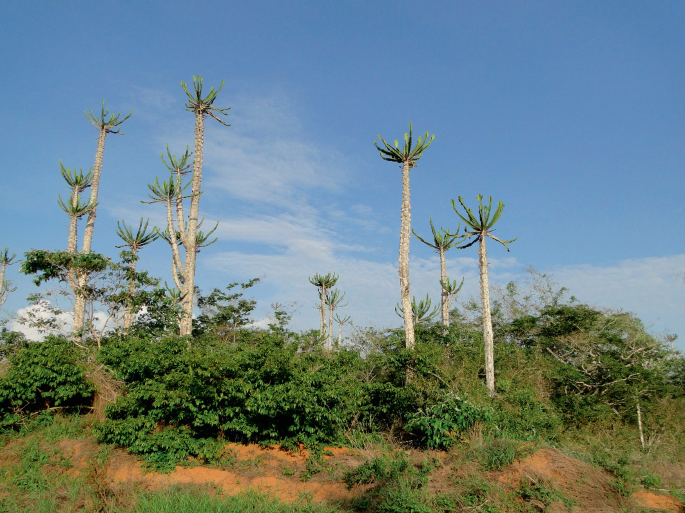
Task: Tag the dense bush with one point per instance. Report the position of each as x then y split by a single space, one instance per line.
40 376
258 390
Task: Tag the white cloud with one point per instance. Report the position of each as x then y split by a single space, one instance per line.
648 287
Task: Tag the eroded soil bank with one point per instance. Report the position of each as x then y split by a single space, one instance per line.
287 476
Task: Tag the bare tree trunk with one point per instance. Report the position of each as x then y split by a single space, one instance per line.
340 335
444 294
4 288
487 319
80 300
191 241
128 316
405 237
330 326
323 315
639 425
72 247
94 189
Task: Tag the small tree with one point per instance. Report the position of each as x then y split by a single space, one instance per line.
479 228
172 194
5 285
442 241
407 156
134 242
226 312
341 322
333 299
323 283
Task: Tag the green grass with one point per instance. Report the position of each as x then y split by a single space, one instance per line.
198 500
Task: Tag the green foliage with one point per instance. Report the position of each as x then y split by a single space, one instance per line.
43 375
439 425
29 477
409 152
224 313
498 453
399 485
421 311
49 265
536 490
199 500
259 390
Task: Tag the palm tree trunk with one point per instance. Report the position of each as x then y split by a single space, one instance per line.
4 287
80 300
322 329
128 316
94 189
444 295
340 335
191 242
405 237
72 246
330 326
487 318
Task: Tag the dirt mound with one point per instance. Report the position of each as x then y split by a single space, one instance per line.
281 473
588 487
267 469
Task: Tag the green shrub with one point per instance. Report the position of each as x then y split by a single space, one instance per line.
399 485
259 390
439 425
498 453
49 374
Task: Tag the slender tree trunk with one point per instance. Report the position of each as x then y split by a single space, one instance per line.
80 300
94 190
488 338
128 316
405 237
4 288
444 295
176 264
639 425
330 326
72 246
323 314
191 241
340 333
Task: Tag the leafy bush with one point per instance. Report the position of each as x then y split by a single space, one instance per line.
43 375
498 453
399 485
259 390
439 425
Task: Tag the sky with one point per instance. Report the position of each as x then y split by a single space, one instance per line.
571 113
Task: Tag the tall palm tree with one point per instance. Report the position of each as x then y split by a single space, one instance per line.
134 242
106 124
323 283
442 241
5 260
480 228
407 156
201 107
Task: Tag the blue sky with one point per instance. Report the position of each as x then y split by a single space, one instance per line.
569 112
